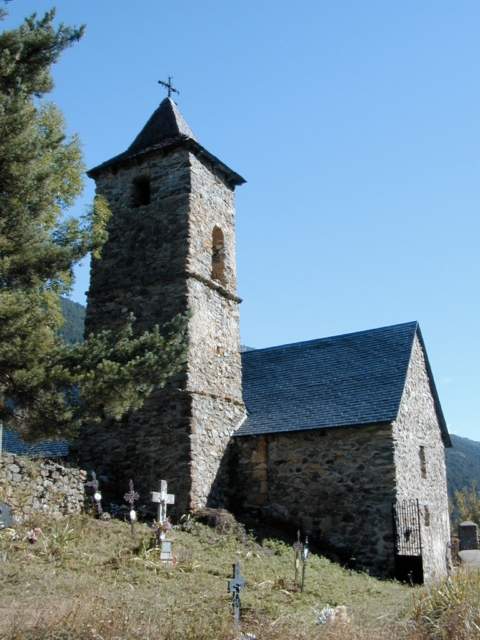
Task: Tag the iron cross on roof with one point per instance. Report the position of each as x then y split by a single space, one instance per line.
169 86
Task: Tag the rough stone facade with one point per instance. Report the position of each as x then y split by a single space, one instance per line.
337 485
420 470
158 263
40 486
341 485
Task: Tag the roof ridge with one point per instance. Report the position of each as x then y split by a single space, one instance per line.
412 323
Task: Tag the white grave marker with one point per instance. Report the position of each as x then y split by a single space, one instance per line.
162 498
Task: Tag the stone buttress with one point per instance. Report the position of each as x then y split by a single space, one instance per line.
171 250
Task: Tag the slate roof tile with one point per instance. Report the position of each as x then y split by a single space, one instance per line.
13 443
165 130
351 379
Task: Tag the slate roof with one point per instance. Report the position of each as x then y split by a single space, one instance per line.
352 379
13 443
164 123
165 130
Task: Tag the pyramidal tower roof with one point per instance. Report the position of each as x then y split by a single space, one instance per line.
165 122
165 130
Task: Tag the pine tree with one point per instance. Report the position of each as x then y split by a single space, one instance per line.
47 387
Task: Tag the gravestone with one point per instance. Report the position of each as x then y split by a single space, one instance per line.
130 498
235 586
94 486
468 534
163 498
6 519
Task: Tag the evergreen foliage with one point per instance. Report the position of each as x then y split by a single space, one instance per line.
46 386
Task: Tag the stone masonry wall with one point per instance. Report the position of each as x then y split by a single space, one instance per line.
150 445
157 263
40 486
214 361
417 426
336 484
142 270
143 263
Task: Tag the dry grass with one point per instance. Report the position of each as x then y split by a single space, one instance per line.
87 579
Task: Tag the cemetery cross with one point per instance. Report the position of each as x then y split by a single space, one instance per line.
130 498
235 585
94 485
162 498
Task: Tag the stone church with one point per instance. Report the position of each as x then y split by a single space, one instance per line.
343 437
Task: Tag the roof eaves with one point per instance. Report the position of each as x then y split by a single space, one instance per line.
405 376
433 388
245 432
232 178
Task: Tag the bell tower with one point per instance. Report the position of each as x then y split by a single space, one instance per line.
171 250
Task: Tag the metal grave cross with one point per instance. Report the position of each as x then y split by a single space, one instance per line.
162 498
298 556
169 86
94 485
301 553
130 498
235 585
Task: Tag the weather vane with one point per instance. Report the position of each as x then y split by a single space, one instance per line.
169 86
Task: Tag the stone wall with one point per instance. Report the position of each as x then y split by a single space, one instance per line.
143 263
336 484
214 361
32 486
417 426
149 445
157 263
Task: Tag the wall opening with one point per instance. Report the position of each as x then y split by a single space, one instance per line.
408 542
218 255
423 462
426 515
141 191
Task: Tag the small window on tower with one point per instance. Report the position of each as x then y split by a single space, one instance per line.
423 462
218 255
426 514
141 191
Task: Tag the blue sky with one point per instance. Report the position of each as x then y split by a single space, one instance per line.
357 127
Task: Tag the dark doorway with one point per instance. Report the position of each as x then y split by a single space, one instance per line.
408 542
409 569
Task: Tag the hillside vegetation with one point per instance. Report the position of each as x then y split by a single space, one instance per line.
463 464
74 315
89 579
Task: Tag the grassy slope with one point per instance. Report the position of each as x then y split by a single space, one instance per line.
84 574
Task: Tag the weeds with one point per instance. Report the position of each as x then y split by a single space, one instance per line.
450 609
89 580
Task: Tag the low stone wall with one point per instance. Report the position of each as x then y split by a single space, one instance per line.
32 486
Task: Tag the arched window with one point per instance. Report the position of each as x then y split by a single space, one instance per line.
218 255
141 191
